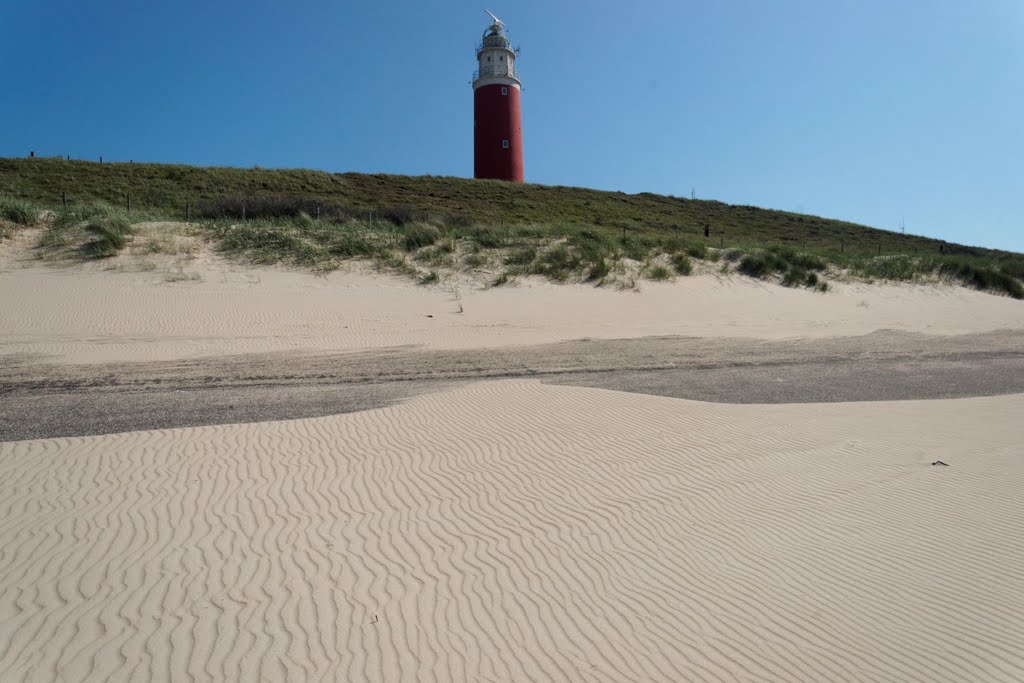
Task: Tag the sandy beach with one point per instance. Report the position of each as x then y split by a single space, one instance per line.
513 518
147 309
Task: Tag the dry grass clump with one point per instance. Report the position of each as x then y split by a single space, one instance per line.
109 233
17 211
85 232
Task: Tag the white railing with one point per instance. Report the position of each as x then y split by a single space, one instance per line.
489 71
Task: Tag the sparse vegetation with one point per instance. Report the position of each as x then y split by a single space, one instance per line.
682 264
109 234
558 263
17 211
521 256
697 251
657 272
318 220
475 260
420 235
986 278
599 270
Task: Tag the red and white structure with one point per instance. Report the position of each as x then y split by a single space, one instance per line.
497 118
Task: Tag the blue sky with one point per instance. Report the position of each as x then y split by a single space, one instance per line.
870 111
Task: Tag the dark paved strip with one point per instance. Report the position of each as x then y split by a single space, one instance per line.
39 400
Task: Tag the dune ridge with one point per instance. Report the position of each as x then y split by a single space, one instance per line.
81 314
518 531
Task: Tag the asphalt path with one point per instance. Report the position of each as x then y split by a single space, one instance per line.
43 400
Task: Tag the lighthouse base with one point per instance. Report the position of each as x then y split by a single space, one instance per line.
497 133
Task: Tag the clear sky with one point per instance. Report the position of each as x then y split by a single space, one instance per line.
867 110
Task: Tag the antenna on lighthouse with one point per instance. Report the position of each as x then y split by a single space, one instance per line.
497 21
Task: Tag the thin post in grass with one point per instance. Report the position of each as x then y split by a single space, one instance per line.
318 212
187 210
243 212
721 240
64 199
879 248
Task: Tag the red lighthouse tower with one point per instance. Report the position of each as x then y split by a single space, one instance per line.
497 119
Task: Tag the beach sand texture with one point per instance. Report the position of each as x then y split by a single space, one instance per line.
519 531
80 314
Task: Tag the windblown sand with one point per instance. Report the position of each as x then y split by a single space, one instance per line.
504 530
519 531
80 314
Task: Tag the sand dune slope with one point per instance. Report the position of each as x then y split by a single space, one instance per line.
78 315
520 531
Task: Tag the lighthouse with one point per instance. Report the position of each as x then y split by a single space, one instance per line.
497 118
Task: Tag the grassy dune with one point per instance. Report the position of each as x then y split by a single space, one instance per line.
424 223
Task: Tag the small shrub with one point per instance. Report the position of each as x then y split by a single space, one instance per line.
557 263
17 211
983 278
590 247
794 277
109 233
761 264
732 255
682 264
658 272
808 262
430 278
420 235
636 249
754 265
697 251
893 267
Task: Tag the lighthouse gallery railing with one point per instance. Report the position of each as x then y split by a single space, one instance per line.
496 71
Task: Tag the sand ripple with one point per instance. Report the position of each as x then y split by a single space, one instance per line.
519 531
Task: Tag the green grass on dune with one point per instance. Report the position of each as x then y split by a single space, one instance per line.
317 220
